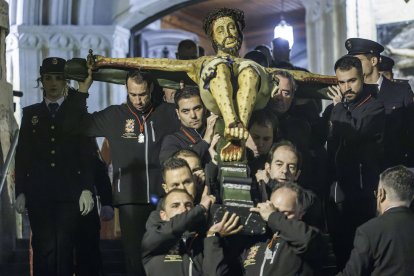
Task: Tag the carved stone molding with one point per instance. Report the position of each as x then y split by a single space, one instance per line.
69 37
61 41
92 41
29 40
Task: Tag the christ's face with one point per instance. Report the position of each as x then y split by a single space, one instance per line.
226 36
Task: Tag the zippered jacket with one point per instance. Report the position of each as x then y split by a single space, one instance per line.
137 173
179 247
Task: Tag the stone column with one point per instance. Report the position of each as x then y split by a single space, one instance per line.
7 127
326 31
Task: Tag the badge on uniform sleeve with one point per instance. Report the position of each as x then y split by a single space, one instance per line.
35 120
349 44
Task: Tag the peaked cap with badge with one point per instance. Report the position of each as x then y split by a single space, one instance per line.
52 65
356 46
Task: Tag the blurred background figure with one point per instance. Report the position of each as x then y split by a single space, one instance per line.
385 67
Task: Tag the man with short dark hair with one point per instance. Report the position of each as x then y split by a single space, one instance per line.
281 53
177 175
356 128
196 167
134 130
181 243
196 130
385 244
187 49
294 248
263 129
263 48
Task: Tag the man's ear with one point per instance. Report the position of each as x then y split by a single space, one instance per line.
267 167
382 194
165 187
178 114
297 175
374 61
163 215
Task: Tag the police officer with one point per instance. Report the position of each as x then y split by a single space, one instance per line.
52 175
396 97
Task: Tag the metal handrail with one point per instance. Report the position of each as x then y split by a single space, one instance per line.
9 158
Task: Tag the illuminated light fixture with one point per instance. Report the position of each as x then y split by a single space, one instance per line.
284 30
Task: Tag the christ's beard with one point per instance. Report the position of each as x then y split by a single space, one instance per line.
234 51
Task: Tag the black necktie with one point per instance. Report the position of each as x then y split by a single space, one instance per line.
53 107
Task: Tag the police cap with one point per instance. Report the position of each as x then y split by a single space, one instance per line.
52 65
386 63
356 46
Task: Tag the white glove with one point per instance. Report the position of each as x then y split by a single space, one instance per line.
107 212
20 203
86 202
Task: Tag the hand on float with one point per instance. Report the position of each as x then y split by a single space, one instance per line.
211 122
229 225
265 209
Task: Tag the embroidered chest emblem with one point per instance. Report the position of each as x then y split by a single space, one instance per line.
172 258
35 120
129 129
129 125
251 257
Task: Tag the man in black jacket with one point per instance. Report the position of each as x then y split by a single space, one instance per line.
293 248
54 176
398 100
356 122
196 132
177 174
134 131
180 245
385 245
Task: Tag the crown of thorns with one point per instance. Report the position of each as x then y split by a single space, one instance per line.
235 14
